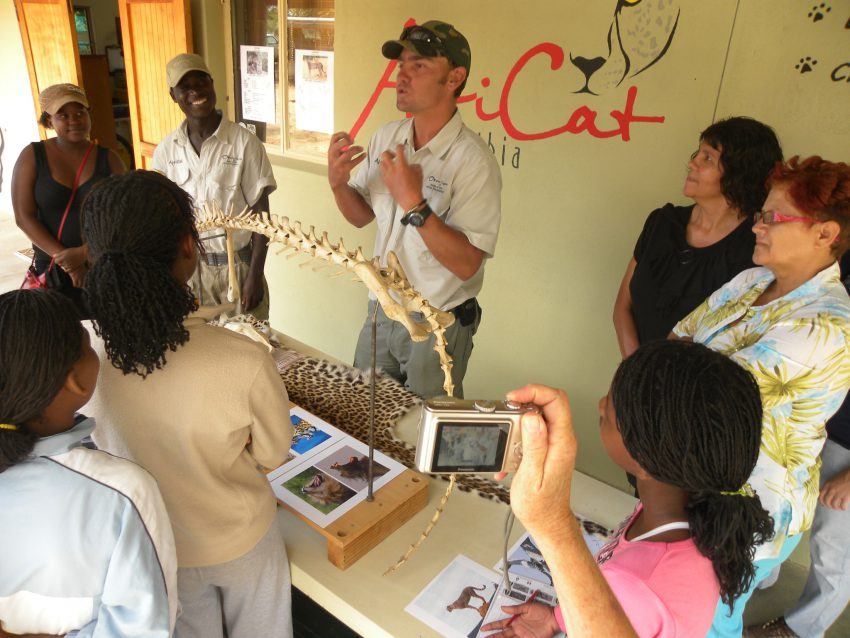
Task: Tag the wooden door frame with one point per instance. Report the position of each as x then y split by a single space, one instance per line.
22 27
141 148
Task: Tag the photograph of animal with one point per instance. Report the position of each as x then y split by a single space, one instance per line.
319 490
305 435
466 595
350 467
456 601
358 467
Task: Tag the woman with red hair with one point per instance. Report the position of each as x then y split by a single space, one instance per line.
787 322
827 589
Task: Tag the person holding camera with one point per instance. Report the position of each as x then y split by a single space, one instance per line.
434 188
686 421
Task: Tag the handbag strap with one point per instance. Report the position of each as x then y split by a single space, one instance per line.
71 199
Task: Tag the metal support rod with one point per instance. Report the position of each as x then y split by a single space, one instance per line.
369 495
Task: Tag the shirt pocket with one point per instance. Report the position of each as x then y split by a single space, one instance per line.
226 178
415 247
180 174
382 202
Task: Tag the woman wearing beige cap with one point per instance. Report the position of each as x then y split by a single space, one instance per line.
50 180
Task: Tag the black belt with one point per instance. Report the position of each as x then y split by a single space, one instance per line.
467 312
220 259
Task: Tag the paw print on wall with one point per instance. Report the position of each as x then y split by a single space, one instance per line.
806 64
819 11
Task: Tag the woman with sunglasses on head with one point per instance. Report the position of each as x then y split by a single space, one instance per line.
685 253
54 176
787 322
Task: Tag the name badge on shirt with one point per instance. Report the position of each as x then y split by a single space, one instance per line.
435 184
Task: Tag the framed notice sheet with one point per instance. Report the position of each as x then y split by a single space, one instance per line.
314 90
258 99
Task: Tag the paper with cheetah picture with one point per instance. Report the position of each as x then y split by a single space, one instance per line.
310 434
327 472
457 600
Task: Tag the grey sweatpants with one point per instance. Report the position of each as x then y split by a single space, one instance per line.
827 590
250 596
414 363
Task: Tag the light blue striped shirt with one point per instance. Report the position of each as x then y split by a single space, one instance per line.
86 547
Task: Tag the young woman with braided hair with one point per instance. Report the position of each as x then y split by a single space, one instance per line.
686 421
87 545
200 407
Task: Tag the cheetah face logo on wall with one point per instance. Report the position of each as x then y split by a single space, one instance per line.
640 34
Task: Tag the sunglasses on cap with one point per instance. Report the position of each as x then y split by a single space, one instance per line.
427 42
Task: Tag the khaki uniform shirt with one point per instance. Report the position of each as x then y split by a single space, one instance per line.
233 168
462 184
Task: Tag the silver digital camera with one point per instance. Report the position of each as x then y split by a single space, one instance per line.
465 436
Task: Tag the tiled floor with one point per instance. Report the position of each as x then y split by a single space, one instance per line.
311 621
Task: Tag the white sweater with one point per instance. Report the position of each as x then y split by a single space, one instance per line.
201 425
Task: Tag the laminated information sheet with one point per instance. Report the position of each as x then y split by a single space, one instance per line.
326 473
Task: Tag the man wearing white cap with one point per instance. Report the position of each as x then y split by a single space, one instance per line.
214 159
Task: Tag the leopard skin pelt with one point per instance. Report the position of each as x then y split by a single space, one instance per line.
340 395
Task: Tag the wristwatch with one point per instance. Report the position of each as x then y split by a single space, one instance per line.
417 215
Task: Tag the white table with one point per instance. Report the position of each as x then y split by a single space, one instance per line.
372 604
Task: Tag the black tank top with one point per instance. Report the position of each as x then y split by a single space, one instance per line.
51 198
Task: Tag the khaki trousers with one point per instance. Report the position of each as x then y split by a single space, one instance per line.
415 364
209 283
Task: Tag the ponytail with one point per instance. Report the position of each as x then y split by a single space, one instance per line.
691 417
134 225
726 528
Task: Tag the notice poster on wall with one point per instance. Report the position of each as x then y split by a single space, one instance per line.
258 100
314 91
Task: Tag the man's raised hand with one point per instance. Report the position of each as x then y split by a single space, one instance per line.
343 156
403 180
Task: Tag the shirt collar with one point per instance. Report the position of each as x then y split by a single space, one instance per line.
817 284
440 143
802 294
223 132
64 441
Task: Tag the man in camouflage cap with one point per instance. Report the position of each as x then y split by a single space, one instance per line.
435 189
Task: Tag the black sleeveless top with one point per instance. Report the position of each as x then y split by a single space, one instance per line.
51 198
672 278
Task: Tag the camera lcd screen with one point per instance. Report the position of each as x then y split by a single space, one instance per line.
470 447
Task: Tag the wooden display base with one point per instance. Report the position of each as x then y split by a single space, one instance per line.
356 532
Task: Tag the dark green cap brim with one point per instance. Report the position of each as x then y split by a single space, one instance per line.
392 49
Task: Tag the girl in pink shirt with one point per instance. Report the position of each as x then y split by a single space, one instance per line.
686 421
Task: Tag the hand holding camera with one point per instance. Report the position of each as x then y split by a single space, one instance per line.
529 433
458 436
540 491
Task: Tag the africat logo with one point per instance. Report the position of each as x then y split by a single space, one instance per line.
641 31
638 36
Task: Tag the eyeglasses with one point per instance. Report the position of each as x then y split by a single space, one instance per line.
772 217
433 44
